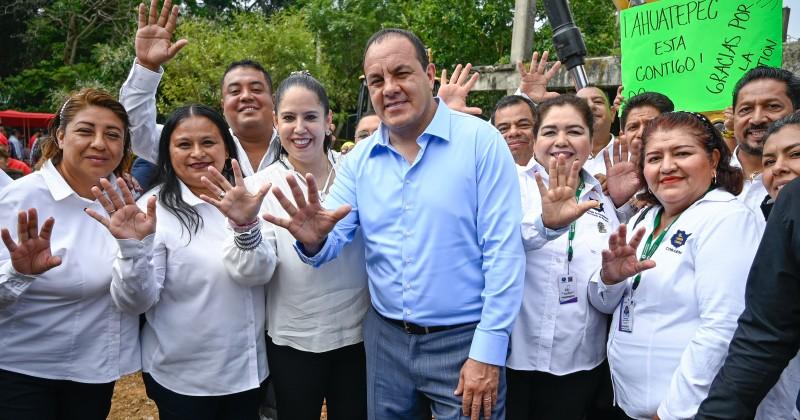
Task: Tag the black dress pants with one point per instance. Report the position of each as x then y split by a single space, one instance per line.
303 380
24 397
536 395
173 406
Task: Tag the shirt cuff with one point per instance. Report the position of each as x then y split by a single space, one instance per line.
144 79
313 260
626 211
132 248
550 234
489 347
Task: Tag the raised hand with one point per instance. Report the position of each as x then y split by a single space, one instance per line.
234 201
308 222
154 45
622 176
618 100
31 254
454 92
559 206
534 81
125 219
620 260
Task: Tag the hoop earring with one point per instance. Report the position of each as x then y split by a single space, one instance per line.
714 179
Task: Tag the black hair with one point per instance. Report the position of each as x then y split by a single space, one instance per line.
511 100
170 194
383 34
777 125
305 80
791 81
728 177
654 99
247 64
579 104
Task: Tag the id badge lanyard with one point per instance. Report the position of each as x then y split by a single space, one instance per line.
650 247
567 287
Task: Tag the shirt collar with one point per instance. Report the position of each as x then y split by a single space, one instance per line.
58 186
735 158
439 127
188 196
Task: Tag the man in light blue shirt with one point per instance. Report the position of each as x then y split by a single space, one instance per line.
436 195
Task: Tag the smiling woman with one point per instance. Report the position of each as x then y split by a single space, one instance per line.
672 323
64 342
203 349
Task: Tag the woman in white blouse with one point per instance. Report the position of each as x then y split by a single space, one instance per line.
672 323
203 349
558 340
314 315
63 343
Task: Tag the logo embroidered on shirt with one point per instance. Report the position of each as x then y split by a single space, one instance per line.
601 227
679 238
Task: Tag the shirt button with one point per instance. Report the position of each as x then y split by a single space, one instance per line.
407 233
408 182
408 312
408 260
406 207
408 286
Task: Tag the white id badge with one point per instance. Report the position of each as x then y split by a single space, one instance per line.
567 289
626 315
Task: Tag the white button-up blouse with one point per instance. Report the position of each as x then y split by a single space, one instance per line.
62 324
204 333
549 336
685 309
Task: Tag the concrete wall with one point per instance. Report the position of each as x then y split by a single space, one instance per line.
602 71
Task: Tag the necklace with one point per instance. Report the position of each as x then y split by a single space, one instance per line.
323 192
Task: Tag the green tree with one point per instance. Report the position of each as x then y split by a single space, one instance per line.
282 44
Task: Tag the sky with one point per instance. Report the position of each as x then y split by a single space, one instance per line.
794 19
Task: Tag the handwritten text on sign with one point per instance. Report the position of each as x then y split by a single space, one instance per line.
694 51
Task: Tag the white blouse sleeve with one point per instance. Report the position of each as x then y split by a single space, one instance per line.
250 257
603 297
138 96
137 275
720 276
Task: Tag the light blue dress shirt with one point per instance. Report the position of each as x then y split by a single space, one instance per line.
442 235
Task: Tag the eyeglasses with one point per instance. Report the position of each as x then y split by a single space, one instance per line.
298 73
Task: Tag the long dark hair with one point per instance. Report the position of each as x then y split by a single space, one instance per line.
305 80
170 193
728 178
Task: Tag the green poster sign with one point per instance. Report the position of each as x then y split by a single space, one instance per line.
694 51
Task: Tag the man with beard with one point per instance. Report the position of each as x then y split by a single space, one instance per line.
762 95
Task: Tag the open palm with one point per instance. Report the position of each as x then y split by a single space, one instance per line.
125 219
559 205
153 44
533 82
308 222
234 201
622 175
619 261
31 254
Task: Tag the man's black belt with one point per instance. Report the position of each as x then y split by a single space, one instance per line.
411 328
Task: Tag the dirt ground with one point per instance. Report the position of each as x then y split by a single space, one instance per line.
130 401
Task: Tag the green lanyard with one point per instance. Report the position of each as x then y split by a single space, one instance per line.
571 234
650 246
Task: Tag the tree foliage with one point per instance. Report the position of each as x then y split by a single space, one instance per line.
326 37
